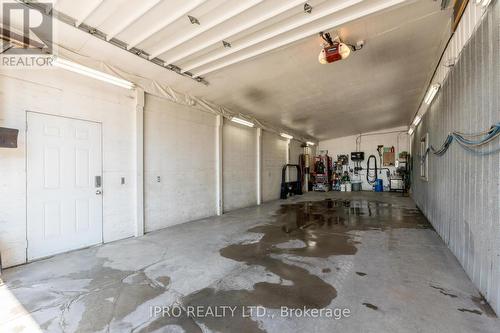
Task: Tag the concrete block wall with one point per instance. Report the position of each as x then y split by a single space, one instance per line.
66 94
179 148
368 143
239 154
461 197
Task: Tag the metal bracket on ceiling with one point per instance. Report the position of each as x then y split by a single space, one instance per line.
5 46
193 20
114 41
308 8
326 36
449 63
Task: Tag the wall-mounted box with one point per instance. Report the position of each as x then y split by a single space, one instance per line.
8 137
357 156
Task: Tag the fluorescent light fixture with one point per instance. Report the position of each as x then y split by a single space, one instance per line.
410 131
83 70
287 136
242 121
309 143
417 120
431 93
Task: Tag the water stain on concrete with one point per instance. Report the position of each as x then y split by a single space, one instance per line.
124 297
361 273
470 311
163 280
371 306
162 324
109 295
448 294
444 291
325 227
483 304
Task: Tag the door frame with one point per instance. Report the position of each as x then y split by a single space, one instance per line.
26 145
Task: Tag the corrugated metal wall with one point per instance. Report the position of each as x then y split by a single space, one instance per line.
461 197
470 18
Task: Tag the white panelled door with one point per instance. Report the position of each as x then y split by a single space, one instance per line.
64 184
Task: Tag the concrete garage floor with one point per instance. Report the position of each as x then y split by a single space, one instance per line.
370 261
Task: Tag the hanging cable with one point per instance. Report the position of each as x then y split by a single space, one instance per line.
467 142
490 135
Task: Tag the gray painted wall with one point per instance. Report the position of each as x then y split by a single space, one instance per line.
461 196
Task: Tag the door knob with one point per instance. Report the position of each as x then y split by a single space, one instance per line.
98 192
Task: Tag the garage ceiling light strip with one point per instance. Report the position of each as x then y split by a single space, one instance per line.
296 23
83 70
242 122
126 23
203 27
417 120
431 93
162 25
381 5
231 32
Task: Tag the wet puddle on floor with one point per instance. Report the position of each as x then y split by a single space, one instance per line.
324 228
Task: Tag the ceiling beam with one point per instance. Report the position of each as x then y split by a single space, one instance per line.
296 22
91 9
100 35
55 3
226 15
175 15
372 6
231 32
125 23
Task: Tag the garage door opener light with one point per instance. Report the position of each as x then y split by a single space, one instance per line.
429 97
83 70
242 122
287 136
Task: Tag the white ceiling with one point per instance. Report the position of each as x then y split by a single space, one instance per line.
271 71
